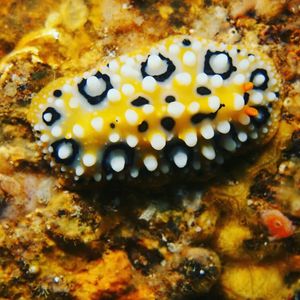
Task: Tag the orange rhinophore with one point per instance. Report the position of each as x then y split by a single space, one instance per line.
248 86
251 111
279 226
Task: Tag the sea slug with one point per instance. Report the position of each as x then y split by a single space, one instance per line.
181 103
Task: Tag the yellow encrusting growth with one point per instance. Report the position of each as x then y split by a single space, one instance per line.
213 97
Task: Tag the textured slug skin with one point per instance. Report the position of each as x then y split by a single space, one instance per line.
181 104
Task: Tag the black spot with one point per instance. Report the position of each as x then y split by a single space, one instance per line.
143 126
202 90
111 150
112 125
55 115
140 101
246 98
199 117
170 99
263 72
238 50
262 117
57 93
208 69
186 42
167 123
160 77
174 147
277 94
99 98
74 153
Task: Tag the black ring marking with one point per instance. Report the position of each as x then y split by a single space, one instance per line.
97 99
128 155
203 91
143 126
199 117
140 101
170 99
57 93
186 42
208 69
262 117
167 123
172 147
69 160
264 85
164 76
55 115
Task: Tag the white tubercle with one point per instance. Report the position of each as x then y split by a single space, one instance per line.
94 86
78 130
132 141
208 152
134 173
148 109
183 79
207 130
79 170
229 144
114 65
150 162
223 127
117 162
73 103
158 141
271 96
202 78
219 63
128 71
238 102
97 177
257 97
190 139
242 136
154 63
113 95
174 49
89 159
128 89
175 109
56 131
239 79
214 103
131 116
114 137
47 117
244 119
194 107
149 84
189 58
97 123
244 64
64 151
258 79
216 81
180 159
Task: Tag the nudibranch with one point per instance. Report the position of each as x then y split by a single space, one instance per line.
179 104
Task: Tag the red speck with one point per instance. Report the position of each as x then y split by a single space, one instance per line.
279 226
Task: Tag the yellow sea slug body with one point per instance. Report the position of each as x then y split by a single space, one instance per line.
182 102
